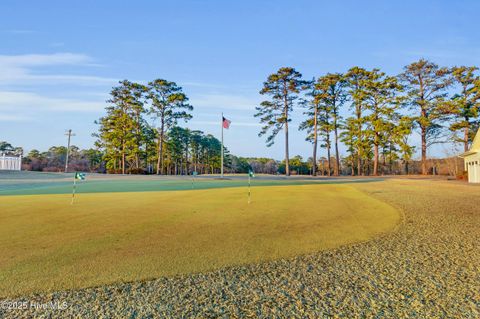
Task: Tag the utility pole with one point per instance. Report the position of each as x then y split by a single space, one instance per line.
69 134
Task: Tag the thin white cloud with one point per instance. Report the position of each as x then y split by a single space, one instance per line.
13 118
75 79
18 31
20 69
44 59
21 105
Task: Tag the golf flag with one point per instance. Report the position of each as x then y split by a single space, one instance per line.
226 123
80 176
250 176
194 174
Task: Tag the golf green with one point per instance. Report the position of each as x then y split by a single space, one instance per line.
46 244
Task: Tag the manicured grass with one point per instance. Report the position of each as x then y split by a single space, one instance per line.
46 244
35 183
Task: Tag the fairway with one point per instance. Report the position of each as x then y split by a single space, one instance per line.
46 244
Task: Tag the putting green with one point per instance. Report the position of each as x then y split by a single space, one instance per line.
47 244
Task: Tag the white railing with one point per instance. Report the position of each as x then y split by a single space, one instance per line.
10 163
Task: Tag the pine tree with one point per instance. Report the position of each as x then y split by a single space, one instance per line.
464 105
118 132
382 102
426 85
349 137
356 78
137 102
400 134
332 86
168 104
311 124
283 88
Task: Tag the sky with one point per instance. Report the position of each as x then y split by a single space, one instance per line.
60 59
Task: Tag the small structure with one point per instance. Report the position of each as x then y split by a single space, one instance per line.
472 160
10 163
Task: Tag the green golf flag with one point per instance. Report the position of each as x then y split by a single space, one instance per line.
80 176
250 173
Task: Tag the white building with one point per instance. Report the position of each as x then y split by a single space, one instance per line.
472 160
10 163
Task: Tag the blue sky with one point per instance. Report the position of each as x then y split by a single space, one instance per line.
59 59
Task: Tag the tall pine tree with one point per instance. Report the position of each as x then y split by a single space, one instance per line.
382 102
356 78
283 88
168 104
464 105
426 85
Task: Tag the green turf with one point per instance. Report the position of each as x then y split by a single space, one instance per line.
46 244
34 183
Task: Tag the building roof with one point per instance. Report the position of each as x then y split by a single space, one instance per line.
475 148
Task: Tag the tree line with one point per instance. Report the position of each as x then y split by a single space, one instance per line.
371 113
132 145
381 111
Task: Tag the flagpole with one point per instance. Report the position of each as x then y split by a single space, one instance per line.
221 169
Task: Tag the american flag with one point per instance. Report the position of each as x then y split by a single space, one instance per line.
226 123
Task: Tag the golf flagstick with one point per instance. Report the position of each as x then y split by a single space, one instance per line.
194 173
249 195
76 176
74 187
250 175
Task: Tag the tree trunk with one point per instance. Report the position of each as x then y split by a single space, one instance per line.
123 157
315 138
384 160
160 149
186 161
337 156
123 162
465 138
359 141
359 163
139 145
375 160
329 173
287 166
375 153
159 154
353 166
424 116
424 151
